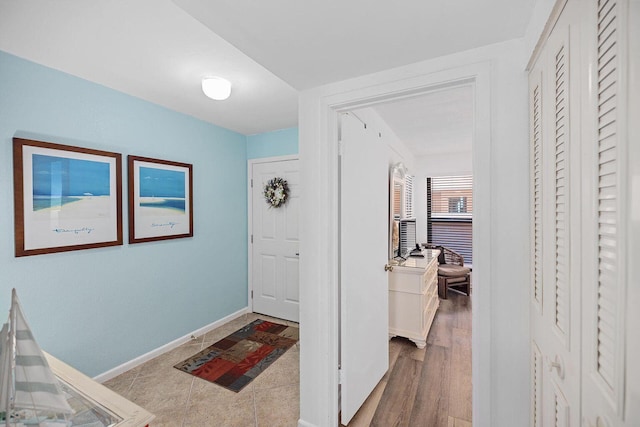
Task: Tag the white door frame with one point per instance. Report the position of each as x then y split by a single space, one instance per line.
250 164
319 239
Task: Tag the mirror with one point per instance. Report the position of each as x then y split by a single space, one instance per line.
396 207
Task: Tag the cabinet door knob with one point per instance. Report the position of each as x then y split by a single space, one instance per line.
388 267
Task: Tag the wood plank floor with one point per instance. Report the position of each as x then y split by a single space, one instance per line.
429 387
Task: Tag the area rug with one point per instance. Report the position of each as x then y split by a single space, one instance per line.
235 361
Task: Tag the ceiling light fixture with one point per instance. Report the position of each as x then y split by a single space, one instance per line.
216 88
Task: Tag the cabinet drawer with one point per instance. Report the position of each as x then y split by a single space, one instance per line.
429 279
411 283
432 269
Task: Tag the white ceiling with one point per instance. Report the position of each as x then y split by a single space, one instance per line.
150 49
155 50
432 123
310 43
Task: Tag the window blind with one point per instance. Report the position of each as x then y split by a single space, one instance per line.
407 235
450 213
408 197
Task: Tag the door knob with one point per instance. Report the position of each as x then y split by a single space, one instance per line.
388 267
557 365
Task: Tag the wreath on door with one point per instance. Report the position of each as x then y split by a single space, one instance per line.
276 192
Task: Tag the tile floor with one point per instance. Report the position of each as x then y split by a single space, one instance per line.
179 399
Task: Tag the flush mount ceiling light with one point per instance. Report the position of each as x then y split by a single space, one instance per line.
216 88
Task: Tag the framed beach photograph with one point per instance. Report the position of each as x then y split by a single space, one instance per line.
66 198
160 199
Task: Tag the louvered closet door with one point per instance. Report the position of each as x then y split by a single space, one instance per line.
555 223
605 308
535 132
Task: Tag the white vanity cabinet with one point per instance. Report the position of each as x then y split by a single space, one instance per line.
413 297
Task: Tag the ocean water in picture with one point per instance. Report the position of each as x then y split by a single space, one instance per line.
61 183
46 202
162 191
176 204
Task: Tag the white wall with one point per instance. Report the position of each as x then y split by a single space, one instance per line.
444 164
98 309
541 11
501 162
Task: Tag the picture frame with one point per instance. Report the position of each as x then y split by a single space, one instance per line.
66 198
160 199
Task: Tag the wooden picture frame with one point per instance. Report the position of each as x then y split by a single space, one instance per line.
65 198
160 199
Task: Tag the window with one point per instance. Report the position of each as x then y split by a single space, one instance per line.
450 213
457 205
403 198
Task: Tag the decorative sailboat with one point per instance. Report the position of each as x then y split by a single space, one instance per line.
30 394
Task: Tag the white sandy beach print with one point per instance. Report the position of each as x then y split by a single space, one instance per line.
71 200
67 188
161 200
162 192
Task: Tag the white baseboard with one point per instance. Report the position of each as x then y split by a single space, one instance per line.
105 376
302 423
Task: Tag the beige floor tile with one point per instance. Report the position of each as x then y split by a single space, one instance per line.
284 371
168 417
278 407
122 383
169 389
169 358
180 399
212 405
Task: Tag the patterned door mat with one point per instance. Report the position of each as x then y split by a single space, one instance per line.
234 361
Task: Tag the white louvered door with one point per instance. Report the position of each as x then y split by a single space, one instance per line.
585 216
554 91
535 123
606 379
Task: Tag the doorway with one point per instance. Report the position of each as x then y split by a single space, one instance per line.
430 135
319 241
273 239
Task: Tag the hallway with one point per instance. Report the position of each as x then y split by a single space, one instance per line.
429 387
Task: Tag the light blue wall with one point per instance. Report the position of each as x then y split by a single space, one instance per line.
99 308
270 144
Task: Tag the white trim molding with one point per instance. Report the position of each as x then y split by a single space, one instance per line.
112 373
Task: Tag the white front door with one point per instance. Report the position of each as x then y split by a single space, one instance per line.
364 290
274 251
